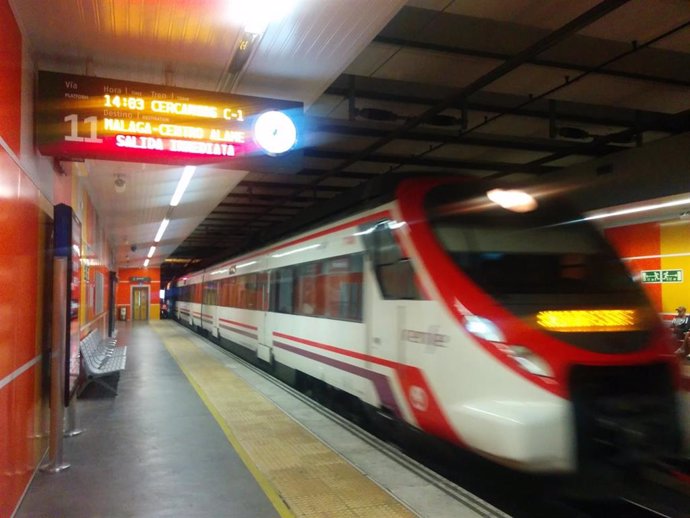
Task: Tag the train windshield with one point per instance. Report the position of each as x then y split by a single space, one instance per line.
547 255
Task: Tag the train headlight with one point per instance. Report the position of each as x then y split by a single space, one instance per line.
484 328
523 356
529 361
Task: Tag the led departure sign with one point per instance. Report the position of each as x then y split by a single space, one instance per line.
92 117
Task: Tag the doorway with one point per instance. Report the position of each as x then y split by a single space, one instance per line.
140 303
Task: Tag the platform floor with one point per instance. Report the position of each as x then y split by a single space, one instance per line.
190 435
154 450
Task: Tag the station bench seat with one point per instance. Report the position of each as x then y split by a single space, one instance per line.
102 359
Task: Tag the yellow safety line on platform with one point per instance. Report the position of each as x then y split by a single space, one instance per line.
301 476
265 485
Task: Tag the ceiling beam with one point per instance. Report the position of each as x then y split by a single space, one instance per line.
287 185
354 175
346 127
395 91
402 39
445 163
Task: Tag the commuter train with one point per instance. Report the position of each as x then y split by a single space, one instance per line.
495 319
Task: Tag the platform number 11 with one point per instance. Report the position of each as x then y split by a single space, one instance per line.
73 119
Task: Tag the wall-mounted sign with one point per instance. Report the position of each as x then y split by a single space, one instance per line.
140 279
661 276
93 117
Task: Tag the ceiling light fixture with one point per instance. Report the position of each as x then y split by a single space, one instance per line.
152 250
644 208
146 263
187 174
161 229
256 15
512 199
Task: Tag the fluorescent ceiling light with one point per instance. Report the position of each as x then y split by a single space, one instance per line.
644 208
657 256
182 184
256 15
146 263
243 265
151 252
161 229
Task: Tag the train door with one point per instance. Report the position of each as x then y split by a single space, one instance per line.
140 303
391 288
264 335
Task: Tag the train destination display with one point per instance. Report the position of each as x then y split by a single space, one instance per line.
93 117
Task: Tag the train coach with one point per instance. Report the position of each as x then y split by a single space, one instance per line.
495 319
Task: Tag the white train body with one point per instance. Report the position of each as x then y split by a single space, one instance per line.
413 353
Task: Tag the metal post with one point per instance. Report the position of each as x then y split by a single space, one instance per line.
57 368
72 425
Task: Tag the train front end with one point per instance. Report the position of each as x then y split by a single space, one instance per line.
559 357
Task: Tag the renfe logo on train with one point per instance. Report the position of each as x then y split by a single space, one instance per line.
93 117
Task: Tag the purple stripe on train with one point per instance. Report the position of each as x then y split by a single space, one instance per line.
245 333
383 387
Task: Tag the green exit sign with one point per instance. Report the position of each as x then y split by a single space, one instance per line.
661 276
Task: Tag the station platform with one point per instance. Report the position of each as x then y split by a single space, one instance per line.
193 432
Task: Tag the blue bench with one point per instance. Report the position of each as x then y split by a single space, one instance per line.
102 358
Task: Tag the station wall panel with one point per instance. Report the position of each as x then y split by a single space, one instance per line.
657 246
22 403
675 255
11 74
24 256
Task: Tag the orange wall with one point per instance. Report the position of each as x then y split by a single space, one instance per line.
11 74
23 256
657 246
124 290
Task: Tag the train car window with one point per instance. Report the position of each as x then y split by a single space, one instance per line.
309 293
547 256
224 292
196 293
343 287
233 292
182 294
394 272
261 291
210 293
250 291
282 290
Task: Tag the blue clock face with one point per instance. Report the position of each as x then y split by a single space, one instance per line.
275 132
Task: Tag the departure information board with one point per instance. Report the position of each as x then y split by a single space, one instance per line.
93 117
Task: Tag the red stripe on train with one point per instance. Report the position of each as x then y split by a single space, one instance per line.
233 322
418 393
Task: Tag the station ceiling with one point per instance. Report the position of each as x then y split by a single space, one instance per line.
522 90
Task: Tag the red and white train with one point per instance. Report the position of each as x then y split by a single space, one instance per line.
496 320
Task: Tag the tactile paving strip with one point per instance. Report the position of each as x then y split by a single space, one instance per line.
288 462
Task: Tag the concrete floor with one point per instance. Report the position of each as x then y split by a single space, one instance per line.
154 450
